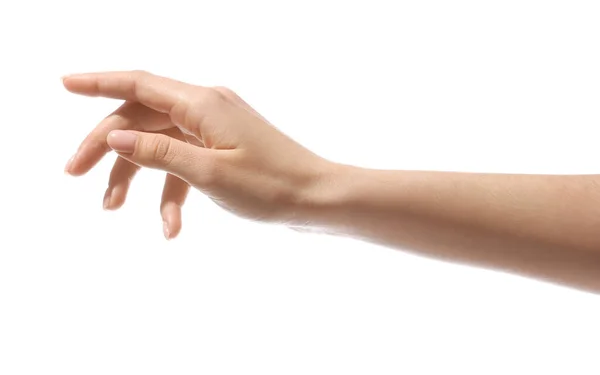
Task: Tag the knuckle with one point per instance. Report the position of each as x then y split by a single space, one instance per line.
160 149
204 100
211 97
226 92
140 73
137 76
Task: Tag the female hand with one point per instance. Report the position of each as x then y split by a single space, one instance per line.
203 137
210 139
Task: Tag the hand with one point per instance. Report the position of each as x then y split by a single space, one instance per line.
203 137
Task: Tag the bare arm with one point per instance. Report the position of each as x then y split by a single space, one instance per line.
542 226
210 139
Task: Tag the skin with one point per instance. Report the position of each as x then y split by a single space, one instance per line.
541 226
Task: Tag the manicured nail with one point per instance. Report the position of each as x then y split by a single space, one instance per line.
166 231
122 141
69 163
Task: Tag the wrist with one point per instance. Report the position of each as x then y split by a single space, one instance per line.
327 199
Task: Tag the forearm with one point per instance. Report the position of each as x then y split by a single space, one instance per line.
543 226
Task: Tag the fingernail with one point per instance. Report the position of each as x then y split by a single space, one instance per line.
121 141
69 163
166 231
106 202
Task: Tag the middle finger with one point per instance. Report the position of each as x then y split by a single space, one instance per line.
129 116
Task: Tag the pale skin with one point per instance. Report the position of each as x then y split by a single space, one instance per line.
542 226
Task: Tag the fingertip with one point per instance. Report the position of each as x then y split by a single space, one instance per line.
67 81
106 201
69 164
171 216
80 84
86 157
74 166
166 230
114 197
171 229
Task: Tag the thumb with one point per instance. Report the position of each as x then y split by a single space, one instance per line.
159 151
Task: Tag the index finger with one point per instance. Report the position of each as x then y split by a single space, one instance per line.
156 92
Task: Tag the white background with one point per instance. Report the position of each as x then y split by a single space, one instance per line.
494 86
